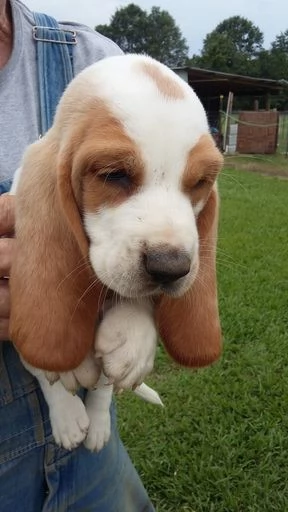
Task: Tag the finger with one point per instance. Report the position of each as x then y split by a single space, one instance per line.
4 329
7 214
4 298
7 246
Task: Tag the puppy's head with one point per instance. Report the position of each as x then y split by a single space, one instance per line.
148 165
130 169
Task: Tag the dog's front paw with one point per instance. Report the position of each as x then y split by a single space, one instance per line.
99 432
69 421
126 341
98 410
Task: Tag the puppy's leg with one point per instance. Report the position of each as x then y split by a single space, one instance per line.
98 409
126 341
69 420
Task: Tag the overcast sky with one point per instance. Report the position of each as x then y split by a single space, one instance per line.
271 16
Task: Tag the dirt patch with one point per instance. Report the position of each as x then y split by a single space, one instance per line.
276 166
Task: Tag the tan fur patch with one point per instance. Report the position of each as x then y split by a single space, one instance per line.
203 165
189 325
166 85
52 284
55 295
102 148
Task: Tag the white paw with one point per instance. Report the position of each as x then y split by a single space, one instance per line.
98 409
126 341
99 432
69 421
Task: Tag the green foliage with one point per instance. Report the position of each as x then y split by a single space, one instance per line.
126 28
273 64
235 46
281 42
220 444
244 35
155 34
231 47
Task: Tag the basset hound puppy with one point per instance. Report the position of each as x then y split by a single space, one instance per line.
116 229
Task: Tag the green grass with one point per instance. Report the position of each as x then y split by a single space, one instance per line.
221 442
271 165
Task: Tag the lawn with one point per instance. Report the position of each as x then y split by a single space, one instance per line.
269 165
221 442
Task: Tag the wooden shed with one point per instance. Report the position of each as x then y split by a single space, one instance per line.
257 128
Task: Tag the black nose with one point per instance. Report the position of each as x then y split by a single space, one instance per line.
166 265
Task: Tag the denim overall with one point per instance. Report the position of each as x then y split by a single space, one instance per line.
35 474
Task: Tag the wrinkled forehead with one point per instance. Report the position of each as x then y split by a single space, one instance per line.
145 94
148 99
156 110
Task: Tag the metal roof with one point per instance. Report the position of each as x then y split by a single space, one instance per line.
214 83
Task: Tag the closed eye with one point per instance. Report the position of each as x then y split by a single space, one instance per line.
119 178
200 183
206 180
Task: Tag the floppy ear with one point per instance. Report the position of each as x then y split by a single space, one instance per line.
54 296
189 326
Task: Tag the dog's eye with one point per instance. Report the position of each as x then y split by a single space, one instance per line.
119 178
200 183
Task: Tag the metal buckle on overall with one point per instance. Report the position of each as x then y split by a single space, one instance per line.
37 38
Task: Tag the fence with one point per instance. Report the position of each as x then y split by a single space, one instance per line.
282 132
282 143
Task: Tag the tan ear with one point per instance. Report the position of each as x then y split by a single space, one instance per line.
189 326
54 302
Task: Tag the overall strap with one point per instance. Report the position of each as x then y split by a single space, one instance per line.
54 49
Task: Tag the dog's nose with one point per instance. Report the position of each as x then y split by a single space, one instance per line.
166 265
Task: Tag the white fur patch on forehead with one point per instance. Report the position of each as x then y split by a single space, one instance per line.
158 110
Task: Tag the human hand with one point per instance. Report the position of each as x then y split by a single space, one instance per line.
7 243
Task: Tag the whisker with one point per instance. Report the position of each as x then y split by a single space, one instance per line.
80 266
235 180
90 287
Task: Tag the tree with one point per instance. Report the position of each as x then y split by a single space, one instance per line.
279 57
273 64
232 46
281 43
245 36
154 33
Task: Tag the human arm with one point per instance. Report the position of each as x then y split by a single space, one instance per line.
6 253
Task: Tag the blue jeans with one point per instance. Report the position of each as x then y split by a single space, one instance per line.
36 475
